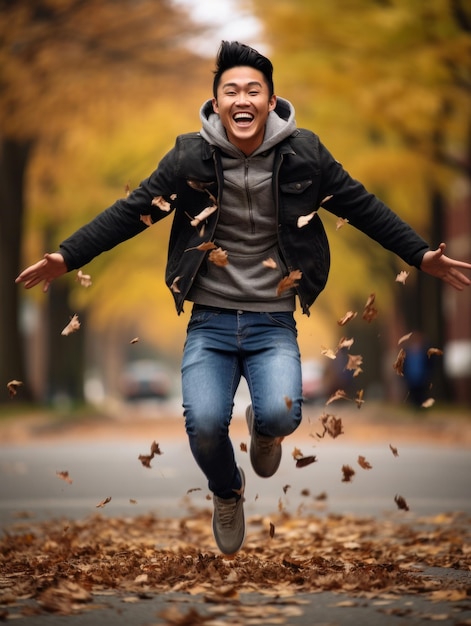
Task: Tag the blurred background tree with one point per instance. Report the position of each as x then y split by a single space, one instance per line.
387 85
68 67
94 92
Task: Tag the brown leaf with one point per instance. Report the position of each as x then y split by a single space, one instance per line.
399 362
285 488
349 315
206 245
72 326
174 286
434 351
288 402
345 343
362 462
160 203
332 425
426 404
404 338
303 220
305 460
393 450
354 362
127 190
341 221
270 263
340 394
402 277
243 447
288 282
370 312
135 340
12 387
359 398
85 280
146 219
272 530
348 472
103 503
64 475
328 352
218 257
401 503
145 459
205 213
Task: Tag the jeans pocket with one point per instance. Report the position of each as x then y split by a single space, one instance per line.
200 318
283 319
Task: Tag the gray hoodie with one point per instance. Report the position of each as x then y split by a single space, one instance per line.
247 225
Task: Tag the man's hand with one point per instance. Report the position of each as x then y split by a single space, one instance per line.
47 269
437 264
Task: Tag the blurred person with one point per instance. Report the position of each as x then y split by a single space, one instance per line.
417 369
246 240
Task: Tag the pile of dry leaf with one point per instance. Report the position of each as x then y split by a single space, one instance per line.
63 564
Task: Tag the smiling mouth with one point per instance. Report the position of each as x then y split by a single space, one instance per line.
243 119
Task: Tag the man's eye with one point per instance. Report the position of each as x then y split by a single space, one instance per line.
253 93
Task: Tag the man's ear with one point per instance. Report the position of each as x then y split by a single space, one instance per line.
272 103
214 102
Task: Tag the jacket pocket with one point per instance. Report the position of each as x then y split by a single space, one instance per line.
296 187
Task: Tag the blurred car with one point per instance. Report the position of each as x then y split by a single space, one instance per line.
314 380
145 380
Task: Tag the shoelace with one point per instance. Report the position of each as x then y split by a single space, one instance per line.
226 511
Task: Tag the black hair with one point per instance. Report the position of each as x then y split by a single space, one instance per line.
234 54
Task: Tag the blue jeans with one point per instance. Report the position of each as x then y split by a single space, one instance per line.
220 347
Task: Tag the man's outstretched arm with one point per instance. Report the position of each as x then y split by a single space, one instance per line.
435 263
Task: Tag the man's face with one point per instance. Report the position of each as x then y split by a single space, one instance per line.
243 104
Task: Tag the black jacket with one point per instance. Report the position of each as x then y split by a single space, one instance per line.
305 173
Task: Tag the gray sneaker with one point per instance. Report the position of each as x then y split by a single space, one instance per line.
265 452
229 521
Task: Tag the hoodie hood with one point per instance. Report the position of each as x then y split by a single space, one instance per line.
280 124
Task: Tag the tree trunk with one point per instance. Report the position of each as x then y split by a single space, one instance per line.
14 157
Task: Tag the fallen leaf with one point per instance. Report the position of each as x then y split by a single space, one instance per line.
393 450
332 426
363 463
270 263
348 472
404 338
205 213
303 220
288 282
288 402
174 286
345 343
402 277
127 190
353 363
272 530
218 257
64 475
146 219
305 460
285 488
328 352
145 459
359 398
349 315
434 351
340 223
160 203
84 279
340 394
398 364
135 340
103 503
13 386
426 404
401 503
72 326
243 447
370 312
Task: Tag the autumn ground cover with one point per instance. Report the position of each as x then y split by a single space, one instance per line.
62 566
